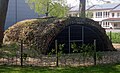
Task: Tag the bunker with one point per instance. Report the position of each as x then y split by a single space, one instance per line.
44 31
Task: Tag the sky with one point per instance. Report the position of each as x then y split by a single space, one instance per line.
90 2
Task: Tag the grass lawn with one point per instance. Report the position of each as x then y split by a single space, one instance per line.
109 68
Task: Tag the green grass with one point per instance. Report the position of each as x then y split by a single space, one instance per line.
115 37
109 68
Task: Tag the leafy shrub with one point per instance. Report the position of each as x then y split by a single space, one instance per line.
115 37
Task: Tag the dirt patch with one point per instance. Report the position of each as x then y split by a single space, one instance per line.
116 46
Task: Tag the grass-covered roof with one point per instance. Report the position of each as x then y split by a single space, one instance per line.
42 30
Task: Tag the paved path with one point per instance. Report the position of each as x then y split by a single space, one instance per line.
113 30
116 46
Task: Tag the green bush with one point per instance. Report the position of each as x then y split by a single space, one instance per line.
115 37
9 50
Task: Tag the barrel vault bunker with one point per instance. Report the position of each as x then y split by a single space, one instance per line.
44 32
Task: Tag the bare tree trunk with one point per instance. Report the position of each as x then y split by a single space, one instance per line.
82 6
3 12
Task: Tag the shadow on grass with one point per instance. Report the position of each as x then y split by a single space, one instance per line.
109 68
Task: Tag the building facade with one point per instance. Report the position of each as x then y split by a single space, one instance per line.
108 15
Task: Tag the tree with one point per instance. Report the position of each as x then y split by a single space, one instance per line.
56 8
89 14
3 12
82 4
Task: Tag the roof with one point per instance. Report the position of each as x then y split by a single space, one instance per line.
76 8
104 6
108 6
112 20
116 9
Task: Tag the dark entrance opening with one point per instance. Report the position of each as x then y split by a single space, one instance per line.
79 34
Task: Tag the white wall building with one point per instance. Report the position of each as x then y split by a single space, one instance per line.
108 15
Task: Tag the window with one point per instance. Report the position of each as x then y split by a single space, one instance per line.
118 14
105 14
113 14
98 14
115 24
106 24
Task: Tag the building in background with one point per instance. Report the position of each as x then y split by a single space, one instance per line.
18 10
108 15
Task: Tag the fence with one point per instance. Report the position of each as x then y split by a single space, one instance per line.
31 58
64 60
22 54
